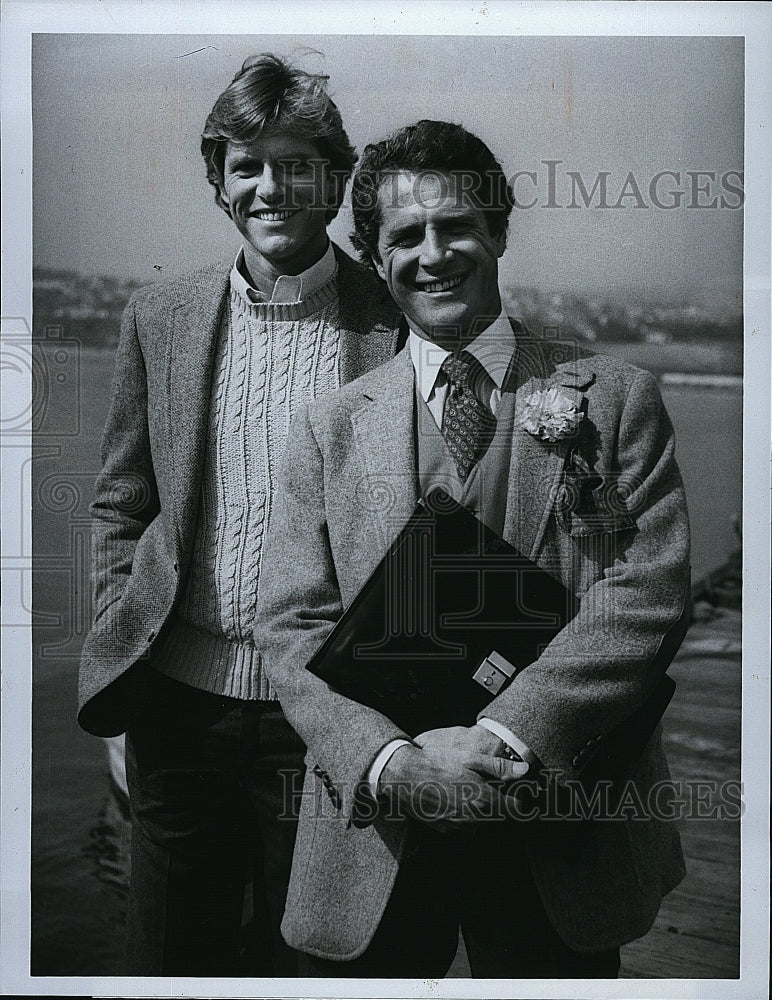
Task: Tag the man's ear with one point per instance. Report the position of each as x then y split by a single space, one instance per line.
221 199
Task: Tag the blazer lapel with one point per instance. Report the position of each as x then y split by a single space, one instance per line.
196 322
536 466
534 475
383 428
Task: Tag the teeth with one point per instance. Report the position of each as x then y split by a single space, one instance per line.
273 216
442 286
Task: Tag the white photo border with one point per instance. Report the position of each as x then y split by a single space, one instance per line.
486 17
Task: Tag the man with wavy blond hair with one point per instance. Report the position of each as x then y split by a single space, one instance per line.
210 369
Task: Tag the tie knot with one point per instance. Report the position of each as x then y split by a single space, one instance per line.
464 372
456 367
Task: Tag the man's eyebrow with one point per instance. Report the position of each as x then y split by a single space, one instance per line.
240 159
459 211
400 229
286 158
462 212
295 156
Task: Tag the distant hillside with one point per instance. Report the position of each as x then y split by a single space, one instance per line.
87 308
606 319
672 338
683 338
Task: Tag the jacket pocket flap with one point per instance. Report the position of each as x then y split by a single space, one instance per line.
591 511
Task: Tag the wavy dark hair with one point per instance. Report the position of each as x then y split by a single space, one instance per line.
270 95
437 147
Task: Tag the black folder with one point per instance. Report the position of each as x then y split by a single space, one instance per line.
446 620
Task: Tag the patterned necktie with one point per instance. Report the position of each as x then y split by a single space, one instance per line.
467 424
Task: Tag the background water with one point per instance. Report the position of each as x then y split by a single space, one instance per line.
78 835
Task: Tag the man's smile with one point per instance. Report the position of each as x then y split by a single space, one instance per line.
441 285
273 214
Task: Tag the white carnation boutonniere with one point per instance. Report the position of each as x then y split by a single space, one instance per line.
550 414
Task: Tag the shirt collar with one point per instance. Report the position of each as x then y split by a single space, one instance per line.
288 287
494 348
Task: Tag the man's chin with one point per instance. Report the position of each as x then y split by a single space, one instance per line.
444 326
278 248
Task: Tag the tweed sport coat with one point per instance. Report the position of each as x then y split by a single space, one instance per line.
348 486
146 502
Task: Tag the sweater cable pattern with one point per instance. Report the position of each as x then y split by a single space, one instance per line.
270 359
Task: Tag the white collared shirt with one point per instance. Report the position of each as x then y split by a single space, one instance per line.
494 348
287 288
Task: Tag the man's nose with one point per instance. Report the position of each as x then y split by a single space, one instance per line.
270 186
434 251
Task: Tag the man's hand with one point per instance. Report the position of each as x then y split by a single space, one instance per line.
473 740
446 785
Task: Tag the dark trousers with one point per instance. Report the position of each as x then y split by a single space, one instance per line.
210 784
479 883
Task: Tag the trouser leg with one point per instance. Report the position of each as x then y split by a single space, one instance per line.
207 795
506 929
189 840
185 907
273 755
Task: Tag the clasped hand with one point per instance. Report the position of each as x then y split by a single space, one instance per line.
452 779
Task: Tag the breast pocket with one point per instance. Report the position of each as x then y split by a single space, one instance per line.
593 505
593 530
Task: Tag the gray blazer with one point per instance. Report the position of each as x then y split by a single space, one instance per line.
347 487
146 502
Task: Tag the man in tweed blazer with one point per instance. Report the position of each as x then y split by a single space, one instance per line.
580 475
210 368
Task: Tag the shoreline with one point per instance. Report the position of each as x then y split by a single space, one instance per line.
701 377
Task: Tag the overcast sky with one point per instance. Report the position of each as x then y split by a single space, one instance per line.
120 188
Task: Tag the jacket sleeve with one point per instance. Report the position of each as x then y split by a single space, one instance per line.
126 496
603 665
299 602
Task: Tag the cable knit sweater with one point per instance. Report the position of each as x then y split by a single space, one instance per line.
271 358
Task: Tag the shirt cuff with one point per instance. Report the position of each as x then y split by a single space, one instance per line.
508 737
383 757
